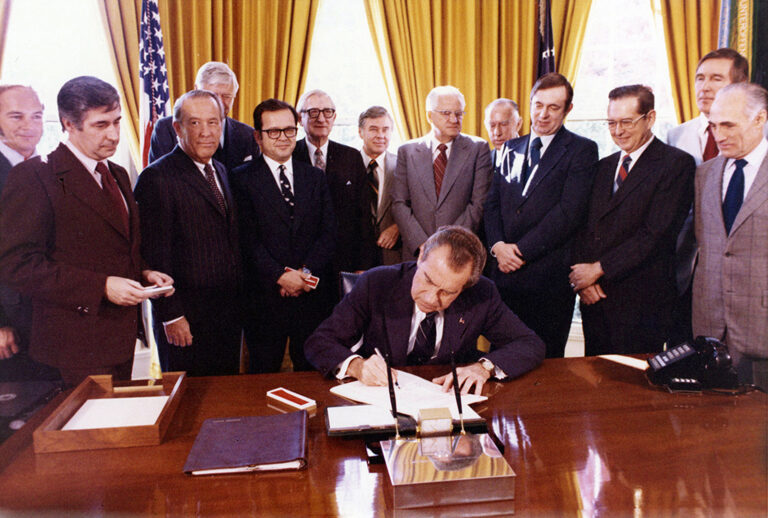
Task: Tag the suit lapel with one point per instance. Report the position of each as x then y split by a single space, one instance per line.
75 179
459 155
551 157
756 196
269 190
645 166
385 186
712 193
397 318
422 156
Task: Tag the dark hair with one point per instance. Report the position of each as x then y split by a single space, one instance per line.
465 247
84 93
739 64
178 107
553 80
374 112
271 105
643 94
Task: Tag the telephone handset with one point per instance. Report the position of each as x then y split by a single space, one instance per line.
703 363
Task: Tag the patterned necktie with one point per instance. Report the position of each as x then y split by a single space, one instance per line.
110 188
285 190
319 160
424 346
373 189
535 157
211 179
734 195
710 150
439 167
623 171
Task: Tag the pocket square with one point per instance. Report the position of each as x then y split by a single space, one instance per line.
349 182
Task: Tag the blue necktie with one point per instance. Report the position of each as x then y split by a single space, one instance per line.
535 156
734 196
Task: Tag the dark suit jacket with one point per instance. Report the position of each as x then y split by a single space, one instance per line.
270 239
186 235
239 143
345 174
379 308
7 295
633 231
63 256
543 221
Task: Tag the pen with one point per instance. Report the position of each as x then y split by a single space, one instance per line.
456 392
391 387
397 384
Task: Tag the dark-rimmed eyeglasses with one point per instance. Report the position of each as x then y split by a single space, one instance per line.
624 124
274 133
314 113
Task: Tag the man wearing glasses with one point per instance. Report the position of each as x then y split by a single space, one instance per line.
288 235
537 201
625 253
441 178
346 176
189 227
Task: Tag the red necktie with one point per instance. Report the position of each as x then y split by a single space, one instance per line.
110 188
439 167
214 188
710 150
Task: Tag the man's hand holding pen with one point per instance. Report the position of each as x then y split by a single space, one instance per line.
469 376
371 371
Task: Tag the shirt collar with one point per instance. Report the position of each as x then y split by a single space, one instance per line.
433 143
754 157
634 155
311 148
546 140
13 156
88 162
702 124
379 160
274 165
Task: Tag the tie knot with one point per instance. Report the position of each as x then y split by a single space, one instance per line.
442 147
626 161
102 169
281 167
536 143
740 163
372 165
208 169
431 315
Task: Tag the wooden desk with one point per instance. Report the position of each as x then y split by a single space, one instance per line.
585 436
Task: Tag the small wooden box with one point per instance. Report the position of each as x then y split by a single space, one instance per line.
49 436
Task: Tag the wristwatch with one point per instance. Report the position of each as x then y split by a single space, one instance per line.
488 365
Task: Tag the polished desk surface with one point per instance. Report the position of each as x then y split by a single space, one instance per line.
586 437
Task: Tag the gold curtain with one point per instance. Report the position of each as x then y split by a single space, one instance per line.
265 42
486 49
5 14
121 21
690 31
569 23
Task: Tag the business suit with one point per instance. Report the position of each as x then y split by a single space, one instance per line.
632 232
686 136
186 235
384 218
730 286
418 211
239 143
62 257
272 240
542 222
346 178
380 307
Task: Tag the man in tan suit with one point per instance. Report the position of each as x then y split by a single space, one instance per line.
730 286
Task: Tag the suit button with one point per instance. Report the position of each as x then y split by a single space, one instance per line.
728 254
518 211
83 310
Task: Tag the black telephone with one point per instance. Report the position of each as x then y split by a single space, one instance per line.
703 363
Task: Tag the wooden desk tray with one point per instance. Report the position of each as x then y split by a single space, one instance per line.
49 436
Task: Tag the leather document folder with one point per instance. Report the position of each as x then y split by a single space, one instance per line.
244 444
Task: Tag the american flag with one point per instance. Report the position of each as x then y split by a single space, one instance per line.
153 74
546 46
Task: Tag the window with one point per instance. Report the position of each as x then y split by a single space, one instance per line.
49 43
343 62
623 45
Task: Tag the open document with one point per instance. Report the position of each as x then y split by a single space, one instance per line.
412 394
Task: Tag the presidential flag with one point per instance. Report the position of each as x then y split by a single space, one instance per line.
546 41
152 73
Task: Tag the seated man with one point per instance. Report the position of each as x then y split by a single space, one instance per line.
422 312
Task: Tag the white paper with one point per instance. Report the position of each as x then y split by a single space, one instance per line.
635 363
358 417
117 412
413 394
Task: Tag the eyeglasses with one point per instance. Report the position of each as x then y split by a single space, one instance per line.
314 113
274 133
624 124
447 113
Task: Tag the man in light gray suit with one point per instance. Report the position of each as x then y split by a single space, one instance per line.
715 70
441 178
730 286
375 128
